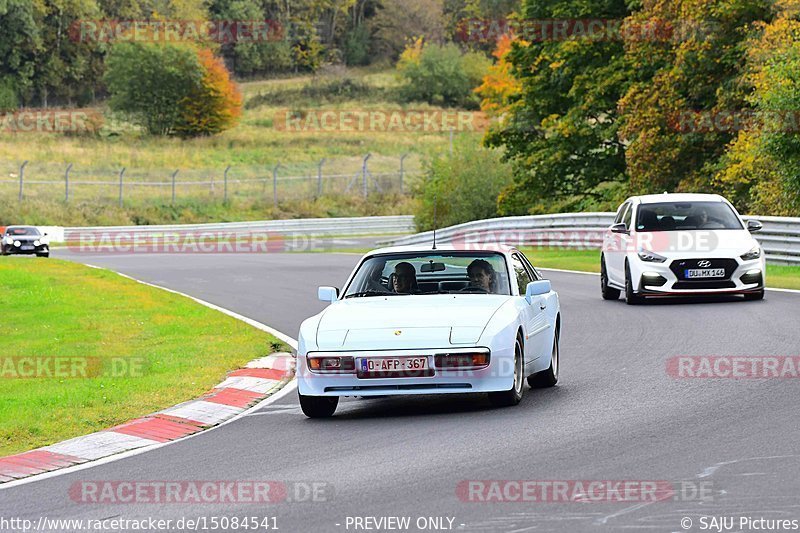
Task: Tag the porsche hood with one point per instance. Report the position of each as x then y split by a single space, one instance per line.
400 322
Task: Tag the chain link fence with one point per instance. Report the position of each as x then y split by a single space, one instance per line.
371 174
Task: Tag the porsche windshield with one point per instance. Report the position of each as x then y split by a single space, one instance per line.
431 273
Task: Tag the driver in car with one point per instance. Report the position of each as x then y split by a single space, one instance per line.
404 280
481 275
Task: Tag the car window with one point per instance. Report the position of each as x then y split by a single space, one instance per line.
621 213
33 232
626 219
531 270
678 216
523 278
425 273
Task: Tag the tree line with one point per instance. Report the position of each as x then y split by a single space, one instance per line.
689 95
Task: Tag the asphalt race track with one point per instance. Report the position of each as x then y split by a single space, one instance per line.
616 415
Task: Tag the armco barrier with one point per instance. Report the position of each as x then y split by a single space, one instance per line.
780 236
389 225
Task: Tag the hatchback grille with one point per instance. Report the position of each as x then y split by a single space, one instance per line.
679 267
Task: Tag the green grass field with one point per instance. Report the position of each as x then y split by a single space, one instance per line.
783 277
55 308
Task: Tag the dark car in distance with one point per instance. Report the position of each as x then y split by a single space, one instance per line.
24 240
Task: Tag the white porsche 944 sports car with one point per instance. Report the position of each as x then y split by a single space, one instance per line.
417 320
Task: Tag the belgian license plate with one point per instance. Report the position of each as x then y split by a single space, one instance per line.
694 273
394 367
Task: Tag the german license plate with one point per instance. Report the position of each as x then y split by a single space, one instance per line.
694 273
393 367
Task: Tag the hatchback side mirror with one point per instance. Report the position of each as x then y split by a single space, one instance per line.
619 228
537 288
754 226
328 294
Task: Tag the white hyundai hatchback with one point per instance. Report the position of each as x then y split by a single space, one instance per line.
679 245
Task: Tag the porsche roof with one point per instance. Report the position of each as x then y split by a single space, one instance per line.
443 247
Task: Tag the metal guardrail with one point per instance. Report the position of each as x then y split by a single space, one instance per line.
386 225
780 236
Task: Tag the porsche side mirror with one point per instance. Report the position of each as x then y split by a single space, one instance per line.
537 288
619 228
754 226
328 294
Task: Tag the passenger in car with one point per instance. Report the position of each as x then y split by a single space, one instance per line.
482 275
404 279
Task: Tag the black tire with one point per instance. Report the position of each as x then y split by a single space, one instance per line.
318 406
548 378
46 254
609 293
512 396
751 296
631 298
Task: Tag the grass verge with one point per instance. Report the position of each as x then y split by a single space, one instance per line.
782 277
55 308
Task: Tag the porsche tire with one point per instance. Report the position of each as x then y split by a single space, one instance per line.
318 406
513 395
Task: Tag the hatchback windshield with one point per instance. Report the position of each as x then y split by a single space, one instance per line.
681 216
431 273
15 231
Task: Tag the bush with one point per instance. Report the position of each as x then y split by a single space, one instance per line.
441 74
464 186
8 96
170 89
148 82
214 105
357 47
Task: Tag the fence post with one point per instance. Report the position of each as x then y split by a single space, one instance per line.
364 174
319 177
66 183
402 173
174 174
121 173
21 178
275 185
225 186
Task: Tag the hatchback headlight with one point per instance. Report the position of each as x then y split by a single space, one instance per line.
754 253
17 243
651 257
9 240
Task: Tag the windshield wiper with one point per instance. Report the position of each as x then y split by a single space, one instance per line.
370 293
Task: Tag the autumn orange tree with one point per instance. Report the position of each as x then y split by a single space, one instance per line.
214 105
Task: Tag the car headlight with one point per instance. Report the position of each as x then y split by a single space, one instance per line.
9 240
754 253
36 242
651 257
17 243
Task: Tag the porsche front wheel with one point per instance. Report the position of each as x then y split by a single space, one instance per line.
513 395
